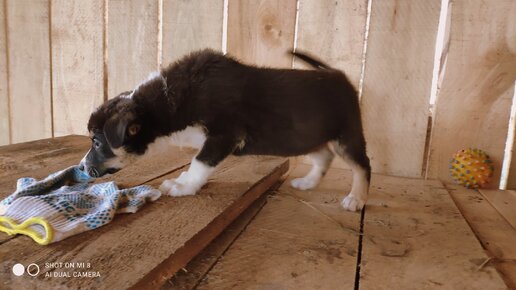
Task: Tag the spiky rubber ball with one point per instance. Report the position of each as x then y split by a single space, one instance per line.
471 168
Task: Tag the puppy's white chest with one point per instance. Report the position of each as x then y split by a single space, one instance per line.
193 137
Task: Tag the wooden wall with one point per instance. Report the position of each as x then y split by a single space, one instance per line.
59 59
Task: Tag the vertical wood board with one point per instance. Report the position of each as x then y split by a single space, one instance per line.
4 94
29 69
189 26
397 81
262 32
333 31
474 101
77 63
132 43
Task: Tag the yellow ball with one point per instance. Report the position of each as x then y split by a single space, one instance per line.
471 168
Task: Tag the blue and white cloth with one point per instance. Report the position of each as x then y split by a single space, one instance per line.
67 203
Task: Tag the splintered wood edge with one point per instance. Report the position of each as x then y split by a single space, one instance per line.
162 272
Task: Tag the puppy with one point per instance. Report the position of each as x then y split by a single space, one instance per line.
215 103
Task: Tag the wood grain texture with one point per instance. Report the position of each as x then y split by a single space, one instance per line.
132 43
189 26
135 245
397 81
504 201
42 156
507 269
29 70
192 274
493 231
77 63
415 238
4 94
334 31
299 240
262 32
473 104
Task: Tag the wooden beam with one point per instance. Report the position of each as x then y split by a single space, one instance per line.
474 100
262 31
77 63
4 92
132 43
397 82
192 274
415 237
189 26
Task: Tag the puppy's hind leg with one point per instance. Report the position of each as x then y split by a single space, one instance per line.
321 160
354 154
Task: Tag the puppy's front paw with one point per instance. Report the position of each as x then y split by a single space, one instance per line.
352 203
304 183
173 188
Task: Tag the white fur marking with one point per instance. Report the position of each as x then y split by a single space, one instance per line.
357 198
192 136
189 182
321 160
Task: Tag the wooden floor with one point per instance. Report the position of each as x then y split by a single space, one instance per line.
413 233
411 236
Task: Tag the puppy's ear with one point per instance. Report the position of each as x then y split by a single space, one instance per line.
118 128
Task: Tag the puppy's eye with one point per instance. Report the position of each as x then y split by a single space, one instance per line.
96 144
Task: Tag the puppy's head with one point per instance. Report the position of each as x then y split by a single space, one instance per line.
120 130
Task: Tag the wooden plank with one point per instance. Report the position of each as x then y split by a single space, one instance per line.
334 31
493 231
192 274
397 81
132 43
507 269
189 26
473 104
415 237
299 240
29 158
4 93
261 32
29 70
156 241
505 203
77 63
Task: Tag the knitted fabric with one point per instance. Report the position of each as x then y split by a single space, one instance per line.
65 204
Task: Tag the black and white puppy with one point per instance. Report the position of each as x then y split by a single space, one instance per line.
213 102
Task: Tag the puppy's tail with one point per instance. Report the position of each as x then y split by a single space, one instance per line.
317 64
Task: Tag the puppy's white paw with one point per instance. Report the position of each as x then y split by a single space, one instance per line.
173 188
304 183
352 203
